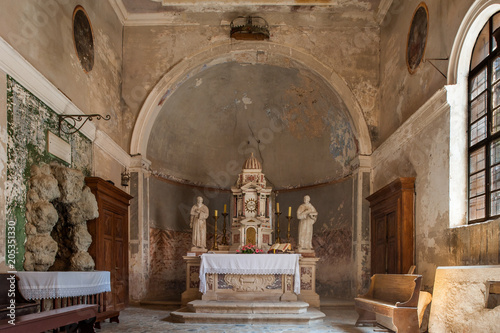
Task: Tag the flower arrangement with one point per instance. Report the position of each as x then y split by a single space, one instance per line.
249 248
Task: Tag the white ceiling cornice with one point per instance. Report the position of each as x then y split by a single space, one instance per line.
120 10
382 10
146 19
173 19
212 3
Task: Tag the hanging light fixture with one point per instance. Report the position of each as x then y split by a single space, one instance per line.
249 28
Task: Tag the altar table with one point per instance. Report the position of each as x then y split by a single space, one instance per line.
250 264
284 281
46 285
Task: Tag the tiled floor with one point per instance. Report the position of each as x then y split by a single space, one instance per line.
135 319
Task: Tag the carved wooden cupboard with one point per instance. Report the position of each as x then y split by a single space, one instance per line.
392 212
109 247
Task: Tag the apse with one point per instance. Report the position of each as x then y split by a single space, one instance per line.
292 121
296 126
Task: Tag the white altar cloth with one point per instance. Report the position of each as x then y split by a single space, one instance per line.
263 264
44 285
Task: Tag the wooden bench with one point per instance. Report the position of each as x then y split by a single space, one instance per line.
79 318
392 301
9 292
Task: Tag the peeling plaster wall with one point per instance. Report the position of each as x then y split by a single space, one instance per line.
425 155
347 43
3 162
402 93
332 234
41 31
29 119
286 116
415 141
170 235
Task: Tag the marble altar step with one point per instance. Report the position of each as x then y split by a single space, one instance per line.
235 312
200 306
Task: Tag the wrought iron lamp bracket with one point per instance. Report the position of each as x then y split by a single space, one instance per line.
73 119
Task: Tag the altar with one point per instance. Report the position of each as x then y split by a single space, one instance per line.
251 277
273 277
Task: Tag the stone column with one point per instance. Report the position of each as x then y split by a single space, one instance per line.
139 228
361 224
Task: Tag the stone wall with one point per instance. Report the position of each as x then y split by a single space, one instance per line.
402 93
42 33
57 209
348 44
170 236
29 119
421 149
418 142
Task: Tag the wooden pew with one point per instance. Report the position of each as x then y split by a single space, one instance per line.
9 292
79 318
393 299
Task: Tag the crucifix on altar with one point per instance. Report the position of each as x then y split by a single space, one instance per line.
251 220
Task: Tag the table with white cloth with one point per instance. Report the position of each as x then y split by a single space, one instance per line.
250 277
65 288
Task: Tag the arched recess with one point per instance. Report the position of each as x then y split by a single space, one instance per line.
248 52
457 97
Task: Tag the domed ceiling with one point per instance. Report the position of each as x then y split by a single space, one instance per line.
295 124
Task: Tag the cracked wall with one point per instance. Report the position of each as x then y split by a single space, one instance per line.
285 116
28 120
402 93
347 44
41 31
170 235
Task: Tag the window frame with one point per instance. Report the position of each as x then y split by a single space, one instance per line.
486 63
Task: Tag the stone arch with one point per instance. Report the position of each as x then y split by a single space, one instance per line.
457 97
256 52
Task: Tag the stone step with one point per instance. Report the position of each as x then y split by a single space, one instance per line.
256 307
184 315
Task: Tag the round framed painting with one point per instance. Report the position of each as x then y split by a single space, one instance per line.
417 37
83 38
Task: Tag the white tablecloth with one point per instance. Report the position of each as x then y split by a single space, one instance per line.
44 285
265 264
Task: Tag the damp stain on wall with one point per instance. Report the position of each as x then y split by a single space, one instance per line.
28 120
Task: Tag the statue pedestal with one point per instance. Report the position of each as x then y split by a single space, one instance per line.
308 281
192 291
198 250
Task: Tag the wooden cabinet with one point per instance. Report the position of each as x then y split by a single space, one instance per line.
392 212
109 247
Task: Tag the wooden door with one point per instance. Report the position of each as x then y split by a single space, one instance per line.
379 244
107 254
109 246
392 227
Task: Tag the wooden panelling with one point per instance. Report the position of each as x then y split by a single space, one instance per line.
110 242
392 216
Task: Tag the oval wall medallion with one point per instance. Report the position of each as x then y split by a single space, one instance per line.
417 38
83 38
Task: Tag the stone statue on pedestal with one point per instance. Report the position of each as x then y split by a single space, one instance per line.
307 215
199 215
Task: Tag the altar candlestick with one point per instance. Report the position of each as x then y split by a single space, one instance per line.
224 238
289 217
216 246
278 239
289 211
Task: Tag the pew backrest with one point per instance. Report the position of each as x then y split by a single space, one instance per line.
399 289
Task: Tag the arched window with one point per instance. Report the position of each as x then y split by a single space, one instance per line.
484 125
